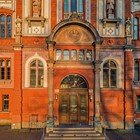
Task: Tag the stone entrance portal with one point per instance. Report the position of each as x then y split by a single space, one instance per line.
73 106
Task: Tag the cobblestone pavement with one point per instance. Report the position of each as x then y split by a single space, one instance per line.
7 134
25 134
123 135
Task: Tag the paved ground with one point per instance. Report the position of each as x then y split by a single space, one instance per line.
124 135
7 134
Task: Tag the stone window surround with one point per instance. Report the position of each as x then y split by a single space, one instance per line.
27 70
118 64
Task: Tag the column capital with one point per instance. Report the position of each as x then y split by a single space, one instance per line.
17 47
128 48
51 43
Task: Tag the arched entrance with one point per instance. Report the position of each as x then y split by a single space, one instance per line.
73 106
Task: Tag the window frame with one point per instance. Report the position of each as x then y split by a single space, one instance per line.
136 25
5 101
68 12
77 58
5 68
109 74
36 68
137 60
137 100
6 24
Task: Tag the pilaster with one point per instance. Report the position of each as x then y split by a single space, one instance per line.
128 94
97 69
50 62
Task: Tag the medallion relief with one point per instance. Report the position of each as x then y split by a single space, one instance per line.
73 34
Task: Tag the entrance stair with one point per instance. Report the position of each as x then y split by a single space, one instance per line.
74 134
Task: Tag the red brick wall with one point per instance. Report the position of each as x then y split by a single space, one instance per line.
19 8
53 13
94 12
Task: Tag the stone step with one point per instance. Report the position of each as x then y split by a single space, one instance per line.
74 135
71 131
75 138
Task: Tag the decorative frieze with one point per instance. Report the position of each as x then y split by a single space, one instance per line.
7 4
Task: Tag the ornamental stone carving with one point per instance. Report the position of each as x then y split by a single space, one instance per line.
36 8
110 9
18 25
128 27
74 35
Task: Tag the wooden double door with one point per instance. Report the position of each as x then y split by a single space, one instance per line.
73 108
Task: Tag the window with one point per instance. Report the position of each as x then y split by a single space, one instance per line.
137 70
5 26
73 54
73 6
5 102
109 74
82 55
58 55
136 28
36 74
89 55
138 102
5 69
66 54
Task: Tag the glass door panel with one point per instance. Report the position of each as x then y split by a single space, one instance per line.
64 109
73 108
83 108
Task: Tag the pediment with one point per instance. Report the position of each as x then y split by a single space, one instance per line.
73 35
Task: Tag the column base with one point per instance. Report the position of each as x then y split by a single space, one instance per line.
50 124
97 124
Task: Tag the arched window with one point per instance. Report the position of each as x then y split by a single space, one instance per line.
73 6
36 74
137 76
109 74
5 26
136 28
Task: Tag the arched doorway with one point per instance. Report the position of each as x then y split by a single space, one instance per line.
73 106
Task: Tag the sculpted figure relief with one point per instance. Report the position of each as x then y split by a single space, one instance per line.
18 25
110 8
36 8
128 27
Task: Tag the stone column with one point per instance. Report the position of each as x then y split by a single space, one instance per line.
50 119
97 63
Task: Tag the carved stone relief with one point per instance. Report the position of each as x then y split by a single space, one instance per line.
73 34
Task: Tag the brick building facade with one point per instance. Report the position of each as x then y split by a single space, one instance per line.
71 61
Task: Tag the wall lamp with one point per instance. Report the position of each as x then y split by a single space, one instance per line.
56 97
90 97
